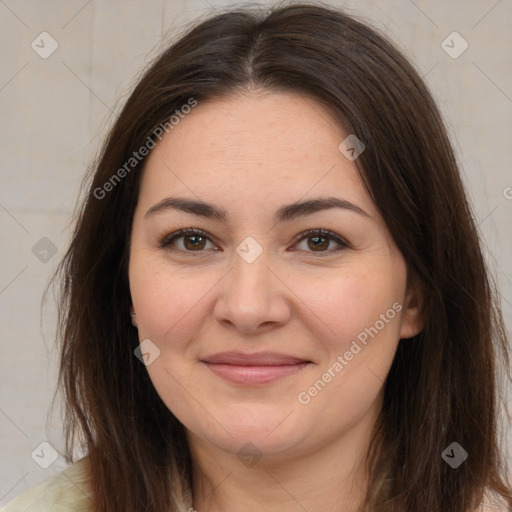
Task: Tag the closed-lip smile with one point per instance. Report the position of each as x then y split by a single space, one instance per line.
255 368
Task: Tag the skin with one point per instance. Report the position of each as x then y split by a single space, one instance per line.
250 154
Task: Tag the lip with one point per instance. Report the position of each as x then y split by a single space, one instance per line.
254 359
256 368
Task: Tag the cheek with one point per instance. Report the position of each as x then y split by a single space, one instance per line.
363 314
166 302
345 306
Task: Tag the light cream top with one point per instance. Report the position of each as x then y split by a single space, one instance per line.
67 492
64 492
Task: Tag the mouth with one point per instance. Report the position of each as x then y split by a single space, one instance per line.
252 369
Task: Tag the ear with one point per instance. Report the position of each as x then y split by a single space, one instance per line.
412 320
133 315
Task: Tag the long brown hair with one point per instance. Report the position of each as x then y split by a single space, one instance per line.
443 386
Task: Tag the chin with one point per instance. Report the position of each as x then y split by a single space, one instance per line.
270 437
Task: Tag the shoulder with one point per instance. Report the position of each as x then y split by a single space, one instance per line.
66 492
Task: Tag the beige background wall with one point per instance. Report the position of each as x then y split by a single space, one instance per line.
55 111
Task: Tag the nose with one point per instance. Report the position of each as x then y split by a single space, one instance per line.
253 297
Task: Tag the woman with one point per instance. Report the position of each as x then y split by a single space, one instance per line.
275 296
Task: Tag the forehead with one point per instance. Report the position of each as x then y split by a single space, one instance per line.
256 147
254 125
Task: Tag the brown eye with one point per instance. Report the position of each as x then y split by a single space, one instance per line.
318 241
194 240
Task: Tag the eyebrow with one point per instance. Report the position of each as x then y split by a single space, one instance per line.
285 213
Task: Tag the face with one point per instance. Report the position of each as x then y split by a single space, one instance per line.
268 324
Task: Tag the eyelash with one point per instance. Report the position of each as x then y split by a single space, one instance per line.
165 241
